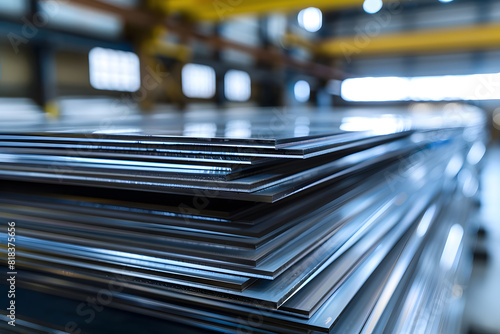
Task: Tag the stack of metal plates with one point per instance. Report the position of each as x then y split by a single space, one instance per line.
346 222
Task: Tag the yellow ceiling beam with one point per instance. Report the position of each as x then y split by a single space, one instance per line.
485 36
221 9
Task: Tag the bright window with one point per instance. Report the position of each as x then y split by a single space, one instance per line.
431 88
114 70
198 81
237 86
302 91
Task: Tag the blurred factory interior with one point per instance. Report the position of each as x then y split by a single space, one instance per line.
101 61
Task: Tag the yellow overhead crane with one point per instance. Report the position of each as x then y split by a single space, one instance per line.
462 38
222 9
476 37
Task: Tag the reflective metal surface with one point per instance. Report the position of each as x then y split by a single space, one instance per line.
333 229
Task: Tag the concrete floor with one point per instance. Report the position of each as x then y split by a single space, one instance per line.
482 309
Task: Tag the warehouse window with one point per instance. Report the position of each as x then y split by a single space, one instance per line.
432 88
375 89
237 86
198 81
311 19
114 70
302 91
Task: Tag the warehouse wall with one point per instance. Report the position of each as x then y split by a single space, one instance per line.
15 73
437 64
16 76
72 73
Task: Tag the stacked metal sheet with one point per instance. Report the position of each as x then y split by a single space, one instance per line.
324 222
